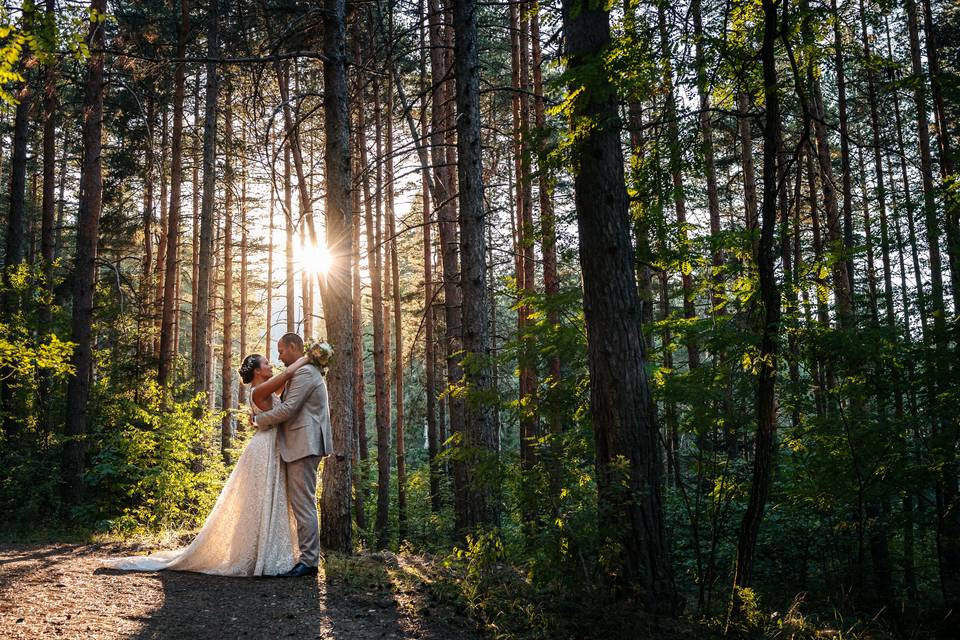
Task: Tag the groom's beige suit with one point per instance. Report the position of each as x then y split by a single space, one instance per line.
303 421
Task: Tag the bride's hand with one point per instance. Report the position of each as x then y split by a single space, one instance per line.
302 360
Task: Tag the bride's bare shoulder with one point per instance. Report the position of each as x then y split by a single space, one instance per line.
266 403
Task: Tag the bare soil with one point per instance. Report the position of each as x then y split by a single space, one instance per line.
61 591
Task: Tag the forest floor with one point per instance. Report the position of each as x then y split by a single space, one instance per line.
61 591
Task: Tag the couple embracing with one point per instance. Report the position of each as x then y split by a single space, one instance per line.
264 522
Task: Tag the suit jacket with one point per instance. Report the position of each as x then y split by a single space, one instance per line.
302 417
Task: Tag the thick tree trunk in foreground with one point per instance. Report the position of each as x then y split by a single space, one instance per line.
335 503
88 232
619 392
479 437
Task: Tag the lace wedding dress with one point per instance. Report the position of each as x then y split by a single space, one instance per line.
251 530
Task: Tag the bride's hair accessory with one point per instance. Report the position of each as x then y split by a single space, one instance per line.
320 353
248 366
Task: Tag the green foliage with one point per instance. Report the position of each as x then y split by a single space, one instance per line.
154 464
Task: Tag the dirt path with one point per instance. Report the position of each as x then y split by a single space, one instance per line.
60 591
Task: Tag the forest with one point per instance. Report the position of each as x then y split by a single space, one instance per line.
644 314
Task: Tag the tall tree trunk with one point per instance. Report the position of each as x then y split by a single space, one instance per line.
845 172
47 208
244 250
226 363
15 240
159 268
375 268
479 437
945 435
942 128
444 159
548 221
195 206
268 331
338 312
201 313
291 280
359 406
769 316
397 318
679 195
525 234
623 425
168 320
88 231
429 347
305 202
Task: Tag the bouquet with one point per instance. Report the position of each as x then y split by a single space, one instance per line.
320 353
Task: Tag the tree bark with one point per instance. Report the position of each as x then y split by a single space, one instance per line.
201 314
765 446
619 393
336 500
479 436
15 241
679 195
88 231
168 320
226 363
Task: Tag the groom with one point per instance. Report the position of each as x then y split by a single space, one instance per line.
303 419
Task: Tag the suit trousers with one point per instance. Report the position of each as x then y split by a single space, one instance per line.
302 493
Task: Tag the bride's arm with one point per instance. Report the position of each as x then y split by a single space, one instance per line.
265 389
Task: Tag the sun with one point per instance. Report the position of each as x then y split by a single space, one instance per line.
314 259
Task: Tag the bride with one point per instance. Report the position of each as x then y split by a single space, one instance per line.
251 530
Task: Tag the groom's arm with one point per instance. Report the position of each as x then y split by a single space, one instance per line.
301 386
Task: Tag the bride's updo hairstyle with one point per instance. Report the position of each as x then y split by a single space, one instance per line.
250 364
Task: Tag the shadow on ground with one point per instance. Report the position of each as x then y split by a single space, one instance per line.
63 591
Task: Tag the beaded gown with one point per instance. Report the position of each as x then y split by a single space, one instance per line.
251 530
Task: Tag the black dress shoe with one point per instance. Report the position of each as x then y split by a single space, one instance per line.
299 570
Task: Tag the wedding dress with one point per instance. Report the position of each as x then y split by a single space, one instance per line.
251 530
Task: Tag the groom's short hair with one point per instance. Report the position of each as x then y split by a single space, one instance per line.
292 340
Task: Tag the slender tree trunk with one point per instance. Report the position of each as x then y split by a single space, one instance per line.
202 379
268 332
305 202
168 320
88 231
195 207
429 351
359 405
525 234
845 171
244 251
548 221
375 268
623 425
679 195
397 315
443 160
46 223
15 241
769 317
944 436
288 212
942 129
226 363
336 499
61 200
159 268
